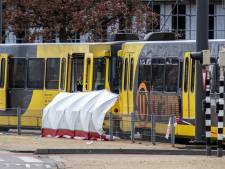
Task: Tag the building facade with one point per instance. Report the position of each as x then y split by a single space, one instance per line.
180 16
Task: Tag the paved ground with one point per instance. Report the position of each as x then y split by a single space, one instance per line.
140 162
24 161
14 142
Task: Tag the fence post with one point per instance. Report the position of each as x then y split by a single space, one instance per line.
132 126
172 128
153 129
110 126
19 121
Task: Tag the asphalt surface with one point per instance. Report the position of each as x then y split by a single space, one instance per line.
24 161
132 161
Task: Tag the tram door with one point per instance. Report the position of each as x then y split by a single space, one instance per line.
88 72
77 69
188 87
128 74
3 81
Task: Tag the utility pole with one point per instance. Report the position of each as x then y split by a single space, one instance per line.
201 44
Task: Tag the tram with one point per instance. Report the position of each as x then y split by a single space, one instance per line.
31 75
160 78
151 78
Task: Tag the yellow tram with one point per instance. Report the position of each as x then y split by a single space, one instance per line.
160 78
151 78
33 74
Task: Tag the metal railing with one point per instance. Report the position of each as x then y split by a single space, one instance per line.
156 128
20 119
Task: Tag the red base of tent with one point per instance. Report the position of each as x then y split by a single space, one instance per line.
62 132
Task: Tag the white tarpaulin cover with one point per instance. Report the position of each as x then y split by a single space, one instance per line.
77 115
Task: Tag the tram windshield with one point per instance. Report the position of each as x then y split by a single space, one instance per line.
159 74
99 71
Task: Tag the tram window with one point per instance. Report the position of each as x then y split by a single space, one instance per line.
115 74
131 73
99 74
35 77
17 72
77 73
52 73
63 70
158 74
171 78
120 74
119 71
2 73
186 75
192 75
125 74
181 74
144 74
88 72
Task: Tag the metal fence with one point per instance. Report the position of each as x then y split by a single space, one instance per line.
156 128
17 118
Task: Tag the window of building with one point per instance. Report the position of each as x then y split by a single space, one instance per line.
122 24
154 27
179 20
35 78
17 72
211 21
2 73
52 73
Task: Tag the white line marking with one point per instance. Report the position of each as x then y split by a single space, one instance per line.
27 165
48 166
1 160
30 159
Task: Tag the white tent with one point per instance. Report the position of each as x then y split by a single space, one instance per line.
78 114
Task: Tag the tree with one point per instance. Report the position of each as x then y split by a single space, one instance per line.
66 18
